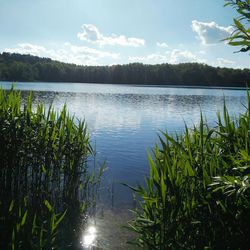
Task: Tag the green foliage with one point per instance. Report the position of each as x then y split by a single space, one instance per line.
197 195
44 176
22 228
241 34
16 67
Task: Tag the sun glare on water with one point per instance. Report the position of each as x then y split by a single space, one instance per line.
89 237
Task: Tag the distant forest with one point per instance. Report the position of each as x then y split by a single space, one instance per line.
17 67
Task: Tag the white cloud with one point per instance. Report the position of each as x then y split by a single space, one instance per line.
83 55
67 53
161 45
183 56
175 56
222 62
27 48
91 34
210 33
78 50
150 59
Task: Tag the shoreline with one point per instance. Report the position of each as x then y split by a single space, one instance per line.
134 85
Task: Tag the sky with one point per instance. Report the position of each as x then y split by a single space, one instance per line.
107 32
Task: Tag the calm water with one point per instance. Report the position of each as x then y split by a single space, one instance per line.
124 121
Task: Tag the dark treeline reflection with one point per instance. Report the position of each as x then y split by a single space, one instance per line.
16 67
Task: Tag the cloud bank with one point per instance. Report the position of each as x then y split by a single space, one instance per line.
68 53
83 55
210 33
184 56
174 57
222 62
154 58
92 34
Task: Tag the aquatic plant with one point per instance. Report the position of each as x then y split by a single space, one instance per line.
197 195
44 174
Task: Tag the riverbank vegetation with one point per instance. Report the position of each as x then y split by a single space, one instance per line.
46 186
197 195
16 67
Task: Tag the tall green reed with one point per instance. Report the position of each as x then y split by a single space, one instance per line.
45 182
197 195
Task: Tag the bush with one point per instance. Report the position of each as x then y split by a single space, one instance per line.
197 195
44 175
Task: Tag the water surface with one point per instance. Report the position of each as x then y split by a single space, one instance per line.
125 121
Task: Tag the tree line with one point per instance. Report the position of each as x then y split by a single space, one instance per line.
17 67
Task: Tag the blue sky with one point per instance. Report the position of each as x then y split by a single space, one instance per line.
104 32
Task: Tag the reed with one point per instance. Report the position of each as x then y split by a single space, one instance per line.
44 174
197 195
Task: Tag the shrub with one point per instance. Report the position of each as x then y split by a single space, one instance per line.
44 174
197 195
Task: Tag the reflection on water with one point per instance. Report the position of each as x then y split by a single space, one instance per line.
105 231
123 122
89 237
123 126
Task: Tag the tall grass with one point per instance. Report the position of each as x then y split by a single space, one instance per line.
44 177
197 195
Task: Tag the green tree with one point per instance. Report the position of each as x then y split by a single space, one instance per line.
241 35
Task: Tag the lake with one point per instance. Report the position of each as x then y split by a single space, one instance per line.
125 121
